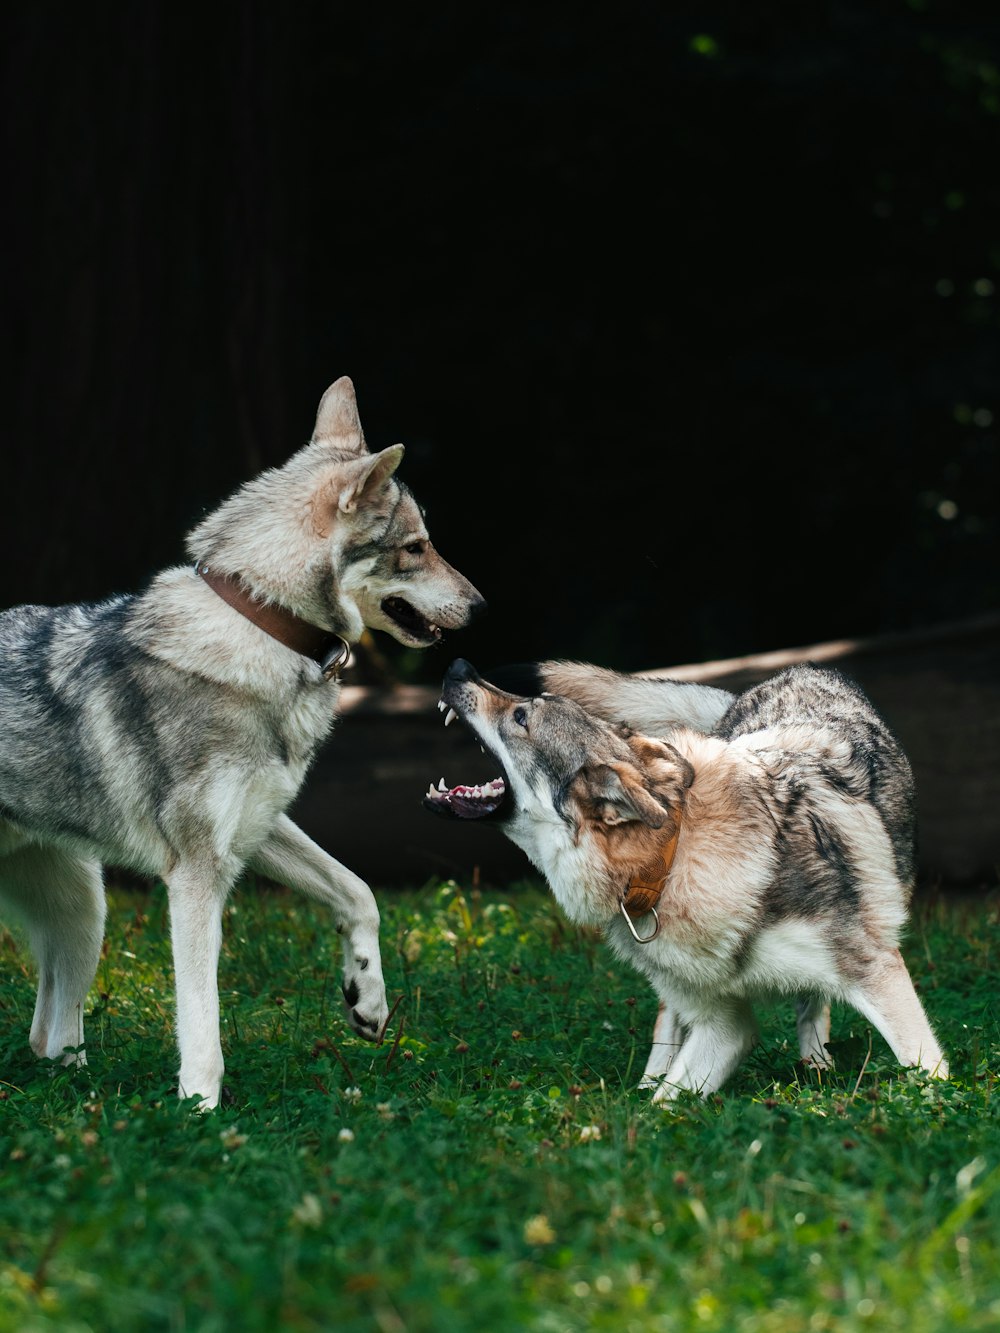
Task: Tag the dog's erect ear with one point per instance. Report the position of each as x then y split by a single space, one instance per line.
615 794
368 476
350 482
667 773
337 420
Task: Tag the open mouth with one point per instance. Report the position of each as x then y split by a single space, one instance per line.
481 800
407 618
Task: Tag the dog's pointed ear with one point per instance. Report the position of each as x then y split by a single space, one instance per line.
616 794
349 482
368 476
666 772
337 419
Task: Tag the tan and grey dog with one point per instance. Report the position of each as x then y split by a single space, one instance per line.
169 732
732 847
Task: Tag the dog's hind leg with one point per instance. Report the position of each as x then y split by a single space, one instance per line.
887 998
290 857
59 899
712 1051
668 1036
812 1019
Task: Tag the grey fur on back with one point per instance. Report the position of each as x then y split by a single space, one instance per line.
877 769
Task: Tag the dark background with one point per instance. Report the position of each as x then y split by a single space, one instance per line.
687 314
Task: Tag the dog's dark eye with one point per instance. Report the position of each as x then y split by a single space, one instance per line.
415 548
520 716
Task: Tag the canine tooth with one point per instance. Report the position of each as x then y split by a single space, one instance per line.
442 785
450 718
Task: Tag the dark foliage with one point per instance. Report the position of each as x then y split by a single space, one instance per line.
687 313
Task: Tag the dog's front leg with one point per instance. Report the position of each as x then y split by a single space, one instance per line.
712 1051
196 899
289 857
668 1034
812 1019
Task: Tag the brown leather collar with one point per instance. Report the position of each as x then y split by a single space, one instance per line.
328 650
646 885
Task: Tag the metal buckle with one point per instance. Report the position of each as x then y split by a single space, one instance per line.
639 939
334 658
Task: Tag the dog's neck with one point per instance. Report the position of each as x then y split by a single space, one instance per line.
328 650
646 885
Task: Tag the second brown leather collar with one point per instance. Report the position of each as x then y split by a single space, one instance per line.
647 884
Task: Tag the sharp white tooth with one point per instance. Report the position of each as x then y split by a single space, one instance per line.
482 749
442 785
430 789
450 717
477 791
441 705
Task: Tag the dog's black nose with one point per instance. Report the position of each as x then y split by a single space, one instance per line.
477 607
459 671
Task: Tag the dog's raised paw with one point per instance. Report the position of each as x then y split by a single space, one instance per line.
366 1018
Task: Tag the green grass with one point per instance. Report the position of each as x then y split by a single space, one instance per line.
494 1168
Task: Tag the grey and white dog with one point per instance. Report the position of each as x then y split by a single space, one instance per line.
733 848
169 731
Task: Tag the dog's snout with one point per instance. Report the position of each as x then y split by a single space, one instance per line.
477 606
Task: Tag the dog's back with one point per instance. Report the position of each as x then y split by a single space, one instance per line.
864 761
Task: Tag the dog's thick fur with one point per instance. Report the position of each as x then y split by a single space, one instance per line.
794 862
167 733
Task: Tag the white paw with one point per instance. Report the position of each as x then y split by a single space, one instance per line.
367 1009
667 1092
206 1086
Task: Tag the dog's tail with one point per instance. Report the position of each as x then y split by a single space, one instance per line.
652 705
